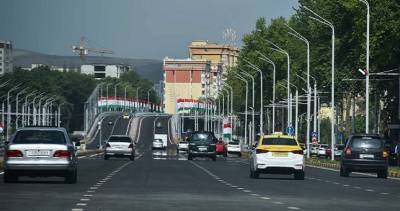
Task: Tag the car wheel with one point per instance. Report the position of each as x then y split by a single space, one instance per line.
344 172
132 157
254 174
225 154
190 157
299 175
106 157
240 155
383 174
72 177
214 158
9 177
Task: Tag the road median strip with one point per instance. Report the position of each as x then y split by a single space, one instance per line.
393 171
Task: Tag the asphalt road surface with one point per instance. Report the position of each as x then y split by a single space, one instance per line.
166 180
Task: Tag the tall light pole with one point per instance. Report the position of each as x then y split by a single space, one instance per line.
254 67
137 97
367 72
253 101
148 98
238 76
9 110
26 107
107 97
302 38
333 118
231 102
280 50
17 104
115 94
296 109
35 110
266 59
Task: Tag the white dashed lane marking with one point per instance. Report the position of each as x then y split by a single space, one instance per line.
240 188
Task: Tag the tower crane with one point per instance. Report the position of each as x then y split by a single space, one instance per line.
83 51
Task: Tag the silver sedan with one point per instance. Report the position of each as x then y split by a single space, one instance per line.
40 151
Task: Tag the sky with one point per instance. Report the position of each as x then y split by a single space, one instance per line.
150 29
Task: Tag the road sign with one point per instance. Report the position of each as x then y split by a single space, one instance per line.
314 134
314 141
290 130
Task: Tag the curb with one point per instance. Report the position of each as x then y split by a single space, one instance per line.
337 167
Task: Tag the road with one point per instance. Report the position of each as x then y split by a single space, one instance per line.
165 180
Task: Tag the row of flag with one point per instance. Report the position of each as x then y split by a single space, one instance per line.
120 102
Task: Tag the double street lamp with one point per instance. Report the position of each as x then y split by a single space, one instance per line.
302 38
280 50
253 100
321 20
254 67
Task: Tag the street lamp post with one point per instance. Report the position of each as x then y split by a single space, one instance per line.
302 38
266 59
108 97
367 72
238 76
137 97
296 109
115 94
254 67
252 103
9 110
35 110
280 50
333 119
148 99
16 105
26 110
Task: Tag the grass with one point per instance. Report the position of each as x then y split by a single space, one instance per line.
316 161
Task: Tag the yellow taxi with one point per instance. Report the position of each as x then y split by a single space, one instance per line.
277 154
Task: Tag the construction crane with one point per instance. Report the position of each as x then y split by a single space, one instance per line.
83 51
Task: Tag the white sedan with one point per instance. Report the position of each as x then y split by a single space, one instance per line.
277 154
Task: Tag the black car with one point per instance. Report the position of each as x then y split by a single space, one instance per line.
365 153
202 144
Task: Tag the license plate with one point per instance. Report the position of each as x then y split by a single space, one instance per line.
279 154
38 153
202 148
366 156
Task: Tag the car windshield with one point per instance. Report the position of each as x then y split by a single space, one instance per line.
234 143
119 139
157 140
39 137
366 142
323 146
202 137
341 147
279 141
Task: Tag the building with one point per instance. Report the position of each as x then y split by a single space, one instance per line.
6 57
103 70
216 53
184 79
222 57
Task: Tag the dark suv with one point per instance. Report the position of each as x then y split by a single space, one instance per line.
202 144
365 153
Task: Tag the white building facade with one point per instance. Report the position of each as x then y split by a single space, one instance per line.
6 57
100 71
